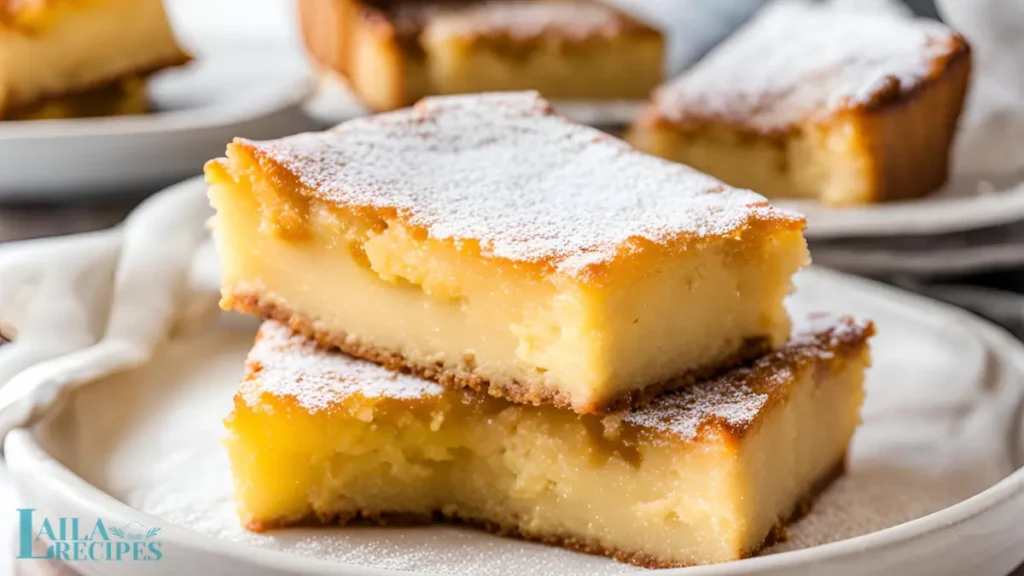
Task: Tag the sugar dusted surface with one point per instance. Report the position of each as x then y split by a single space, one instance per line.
526 20
528 185
796 61
734 400
286 365
291 365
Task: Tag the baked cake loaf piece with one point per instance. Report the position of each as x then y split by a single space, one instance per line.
707 474
63 58
811 101
563 49
483 241
392 53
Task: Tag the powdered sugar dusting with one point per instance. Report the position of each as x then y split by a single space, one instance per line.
796 60
530 186
826 330
735 400
526 20
285 364
682 414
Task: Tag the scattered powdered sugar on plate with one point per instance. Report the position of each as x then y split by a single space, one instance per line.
528 185
283 363
796 59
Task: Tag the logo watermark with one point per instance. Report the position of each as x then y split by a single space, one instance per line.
73 539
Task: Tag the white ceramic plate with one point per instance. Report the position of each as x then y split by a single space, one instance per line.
131 425
968 204
237 88
969 252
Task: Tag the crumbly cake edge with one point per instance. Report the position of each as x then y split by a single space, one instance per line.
880 101
777 533
264 306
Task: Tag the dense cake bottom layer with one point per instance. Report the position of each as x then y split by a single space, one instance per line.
702 475
451 515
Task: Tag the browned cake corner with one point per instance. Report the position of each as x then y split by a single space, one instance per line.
812 102
719 454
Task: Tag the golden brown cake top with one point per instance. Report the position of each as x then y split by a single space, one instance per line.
567 19
288 366
503 172
797 61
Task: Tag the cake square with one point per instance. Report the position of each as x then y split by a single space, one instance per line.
66 59
707 474
392 53
568 49
812 101
485 242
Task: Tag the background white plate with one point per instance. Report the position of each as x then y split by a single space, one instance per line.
234 88
933 485
961 206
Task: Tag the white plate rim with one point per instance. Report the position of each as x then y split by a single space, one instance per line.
26 456
926 216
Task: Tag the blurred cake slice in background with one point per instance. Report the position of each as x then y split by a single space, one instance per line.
68 58
571 50
808 101
393 53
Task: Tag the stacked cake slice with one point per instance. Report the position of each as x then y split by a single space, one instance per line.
478 310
